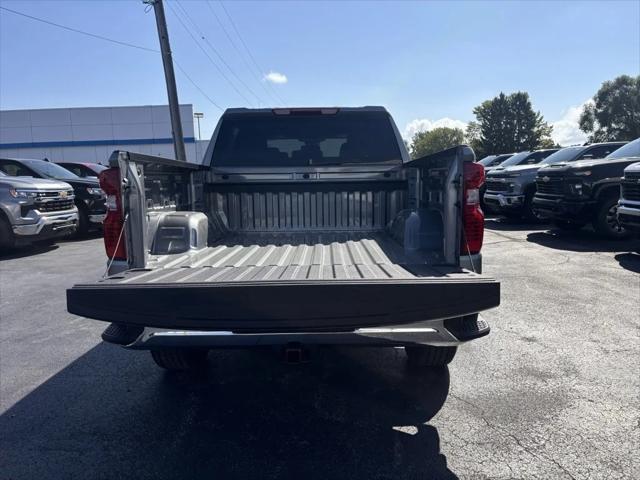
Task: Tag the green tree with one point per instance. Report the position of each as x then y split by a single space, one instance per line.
436 140
614 113
508 123
473 135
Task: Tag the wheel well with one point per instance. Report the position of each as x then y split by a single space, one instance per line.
607 191
4 217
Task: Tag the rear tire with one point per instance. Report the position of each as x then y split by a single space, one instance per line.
83 222
180 359
527 209
429 356
606 223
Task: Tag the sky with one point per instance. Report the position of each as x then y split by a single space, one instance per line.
428 63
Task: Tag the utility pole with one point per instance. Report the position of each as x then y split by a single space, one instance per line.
198 116
172 92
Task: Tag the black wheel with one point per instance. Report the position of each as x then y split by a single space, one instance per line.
83 222
428 356
567 225
606 219
7 239
180 359
527 210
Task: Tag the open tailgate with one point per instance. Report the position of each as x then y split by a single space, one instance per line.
199 298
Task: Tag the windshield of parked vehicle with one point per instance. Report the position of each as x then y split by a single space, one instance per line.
564 155
631 149
48 169
516 159
486 161
302 138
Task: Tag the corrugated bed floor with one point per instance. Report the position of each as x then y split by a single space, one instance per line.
277 257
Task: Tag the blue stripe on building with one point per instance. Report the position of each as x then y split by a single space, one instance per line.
94 143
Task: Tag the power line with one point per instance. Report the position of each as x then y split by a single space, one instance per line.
75 30
211 60
195 84
206 40
240 54
260 71
118 42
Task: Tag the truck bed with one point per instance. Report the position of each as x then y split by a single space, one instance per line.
287 282
290 256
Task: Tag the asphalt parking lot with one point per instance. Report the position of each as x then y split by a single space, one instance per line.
552 392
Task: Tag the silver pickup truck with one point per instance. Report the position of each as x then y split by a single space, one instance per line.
303 226
34 209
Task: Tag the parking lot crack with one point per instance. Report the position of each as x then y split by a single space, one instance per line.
513 437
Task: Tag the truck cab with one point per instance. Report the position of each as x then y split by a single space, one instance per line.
302 226
587 190
508 189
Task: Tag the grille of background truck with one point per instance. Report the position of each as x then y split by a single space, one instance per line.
551 187
53 202
493 186
631 187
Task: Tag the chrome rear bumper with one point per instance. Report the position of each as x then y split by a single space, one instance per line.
419 334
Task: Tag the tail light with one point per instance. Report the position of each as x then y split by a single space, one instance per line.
114 242
472 215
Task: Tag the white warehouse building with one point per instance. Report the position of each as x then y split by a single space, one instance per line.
91 134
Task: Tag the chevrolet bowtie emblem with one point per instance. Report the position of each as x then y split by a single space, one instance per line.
63 194
545 179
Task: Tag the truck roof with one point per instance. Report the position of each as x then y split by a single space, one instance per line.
285 110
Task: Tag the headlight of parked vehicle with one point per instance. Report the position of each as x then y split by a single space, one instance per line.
576 189
583 173
95 191
22 194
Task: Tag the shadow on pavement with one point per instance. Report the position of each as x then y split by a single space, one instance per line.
579 241
88 236
26 251
354 413
629 261
510 224
44 247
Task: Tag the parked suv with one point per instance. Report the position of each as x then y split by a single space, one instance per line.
33 209
507 190
574 194
629 203
89 197
83 169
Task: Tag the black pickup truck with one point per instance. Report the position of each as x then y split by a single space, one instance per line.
587 191
302 226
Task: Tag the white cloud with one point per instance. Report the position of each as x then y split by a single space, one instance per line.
425 125
275 77
566 130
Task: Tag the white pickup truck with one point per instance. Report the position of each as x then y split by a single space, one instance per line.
302 226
